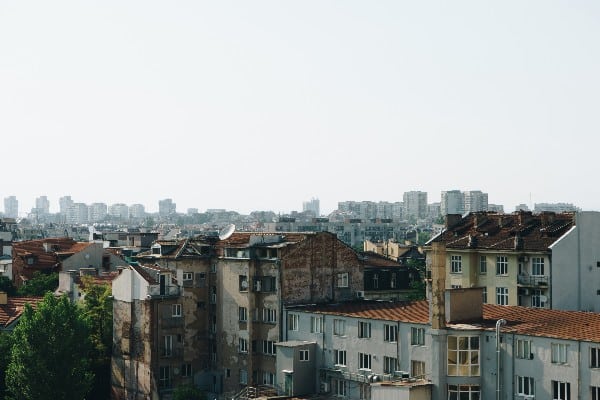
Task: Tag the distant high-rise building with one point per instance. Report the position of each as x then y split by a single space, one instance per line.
522 207
11 207
64 203
311 205
554 207
475 200
77 213
415 204
166 207
497 208
97 212
452 202
42 205
119 210
192 211
434 210
137 211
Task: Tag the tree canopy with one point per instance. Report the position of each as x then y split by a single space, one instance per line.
50 353
39 285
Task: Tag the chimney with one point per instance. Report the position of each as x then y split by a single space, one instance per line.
452 219
438 286
3 298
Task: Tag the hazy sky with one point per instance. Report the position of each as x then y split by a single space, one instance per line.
259 105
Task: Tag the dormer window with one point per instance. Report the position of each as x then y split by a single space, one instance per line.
156 249
30 260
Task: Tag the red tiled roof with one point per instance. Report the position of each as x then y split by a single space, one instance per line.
518 231
14 308
243 238
566 325
48 259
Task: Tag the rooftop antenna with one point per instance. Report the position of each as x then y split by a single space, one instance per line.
226 232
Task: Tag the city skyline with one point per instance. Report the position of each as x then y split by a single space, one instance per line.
248 106
54 206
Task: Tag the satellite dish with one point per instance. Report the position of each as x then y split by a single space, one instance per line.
226 232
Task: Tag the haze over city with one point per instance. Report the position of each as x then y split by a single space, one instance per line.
262 105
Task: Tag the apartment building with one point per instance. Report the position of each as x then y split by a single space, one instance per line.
542 260
415 204
232 292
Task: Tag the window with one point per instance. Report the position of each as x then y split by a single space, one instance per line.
338 387
243 314
463 356
268 378
176 310
456 264
463 392
364 329
316 324
559 353
339 327
524 349
561 390
364 361
269 347
243 283
342 280
243 377
390 333
270 315
186 370
417 336
417 369
168 349
303 355
292 322
538 299
595 392
188 276
375 281
482 265
213 295
501 265
502 296
525 386
537 266
393 281
164 380
595 357
264 284
484 294
390 364
339 357
243 345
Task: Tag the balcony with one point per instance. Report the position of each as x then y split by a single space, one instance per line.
163 291
532 280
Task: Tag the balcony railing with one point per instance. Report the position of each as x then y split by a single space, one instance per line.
532 280
164 291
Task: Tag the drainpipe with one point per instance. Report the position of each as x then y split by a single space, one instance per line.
499 324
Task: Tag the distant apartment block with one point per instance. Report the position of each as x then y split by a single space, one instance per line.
137 211
42 205
97 212
119 211
166 208
371 209
452 202
11 207
554 207
77 213
474 201
312 205
64 203
415 204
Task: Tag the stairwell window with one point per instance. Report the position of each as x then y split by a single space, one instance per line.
463 355
501 265
456 264
342 280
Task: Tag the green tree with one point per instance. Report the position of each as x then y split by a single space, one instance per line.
50 353
188 392
7 286
5 346
97 309
39 285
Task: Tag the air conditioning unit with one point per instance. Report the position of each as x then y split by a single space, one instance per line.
324 388
360 294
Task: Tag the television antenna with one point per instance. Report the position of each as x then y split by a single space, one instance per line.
226 232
